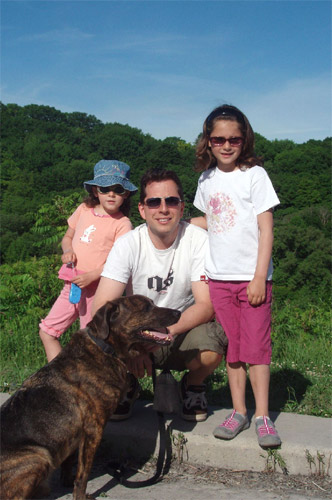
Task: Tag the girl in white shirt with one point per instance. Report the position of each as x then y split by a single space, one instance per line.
237 197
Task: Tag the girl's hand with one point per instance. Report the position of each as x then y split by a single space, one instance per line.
84 280
256 291
69 257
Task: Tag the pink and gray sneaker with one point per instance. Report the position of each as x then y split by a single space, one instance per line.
267 434
232 425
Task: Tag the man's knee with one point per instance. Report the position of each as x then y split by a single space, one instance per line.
207 359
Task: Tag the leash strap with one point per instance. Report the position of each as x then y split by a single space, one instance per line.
164 455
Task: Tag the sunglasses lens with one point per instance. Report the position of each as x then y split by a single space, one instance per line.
236 141
217 141
220 141
171 201
153 202
117 189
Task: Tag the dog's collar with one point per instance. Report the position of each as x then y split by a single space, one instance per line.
104 346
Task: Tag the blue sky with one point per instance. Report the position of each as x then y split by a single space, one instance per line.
162 66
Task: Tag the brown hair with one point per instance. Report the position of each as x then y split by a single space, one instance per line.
92 201
204 157
159 175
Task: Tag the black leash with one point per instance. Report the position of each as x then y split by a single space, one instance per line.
164 455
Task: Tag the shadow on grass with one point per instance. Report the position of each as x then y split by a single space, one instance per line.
287 389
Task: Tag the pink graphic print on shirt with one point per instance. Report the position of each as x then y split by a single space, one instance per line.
220 213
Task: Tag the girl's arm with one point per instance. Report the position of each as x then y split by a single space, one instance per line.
66 244
256 288
199 221
83 280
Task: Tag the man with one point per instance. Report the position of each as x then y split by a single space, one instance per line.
164 260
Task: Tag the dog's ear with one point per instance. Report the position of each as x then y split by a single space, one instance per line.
102 320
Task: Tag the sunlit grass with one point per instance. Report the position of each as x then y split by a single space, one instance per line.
301 370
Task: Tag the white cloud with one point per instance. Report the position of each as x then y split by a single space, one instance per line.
64 35
298 110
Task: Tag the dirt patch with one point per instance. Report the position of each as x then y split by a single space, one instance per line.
306 486
318 486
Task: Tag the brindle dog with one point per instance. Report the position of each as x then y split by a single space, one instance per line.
65 405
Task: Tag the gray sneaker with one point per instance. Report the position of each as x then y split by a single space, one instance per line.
194 403
267 434
232 425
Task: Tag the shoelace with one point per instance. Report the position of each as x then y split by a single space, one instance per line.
195 399
265 429
230 423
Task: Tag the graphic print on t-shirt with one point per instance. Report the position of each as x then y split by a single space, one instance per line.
158 284
221 213
86 235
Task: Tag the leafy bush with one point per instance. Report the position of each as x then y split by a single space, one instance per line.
27 292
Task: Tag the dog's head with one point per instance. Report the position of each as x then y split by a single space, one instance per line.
133 320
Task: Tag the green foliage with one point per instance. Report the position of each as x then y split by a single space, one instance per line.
273 458
301 255
51 221
26 285
302 353
27 292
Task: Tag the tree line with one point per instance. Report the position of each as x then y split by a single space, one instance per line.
46 156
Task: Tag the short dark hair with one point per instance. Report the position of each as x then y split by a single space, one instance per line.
159 175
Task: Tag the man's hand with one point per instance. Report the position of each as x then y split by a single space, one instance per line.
139 365
198 313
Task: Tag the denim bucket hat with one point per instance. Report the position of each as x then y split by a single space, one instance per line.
109 173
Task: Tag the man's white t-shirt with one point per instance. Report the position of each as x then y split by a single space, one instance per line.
232 201
165 276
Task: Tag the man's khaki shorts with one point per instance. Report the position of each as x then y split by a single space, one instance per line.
186 346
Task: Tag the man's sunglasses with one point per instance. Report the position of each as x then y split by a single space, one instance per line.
117 189
220 141
171 202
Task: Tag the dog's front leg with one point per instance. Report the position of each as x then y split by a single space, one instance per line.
86 453
67 476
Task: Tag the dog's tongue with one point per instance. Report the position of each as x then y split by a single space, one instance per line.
156 334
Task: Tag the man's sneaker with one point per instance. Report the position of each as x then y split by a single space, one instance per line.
266 432
232 425
125 408
194 404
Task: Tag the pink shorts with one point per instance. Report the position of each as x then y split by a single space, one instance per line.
63 313
247 327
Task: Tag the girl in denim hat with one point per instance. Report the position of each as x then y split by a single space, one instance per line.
237 197
93 229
